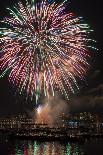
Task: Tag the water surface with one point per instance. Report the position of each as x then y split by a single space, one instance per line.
28 147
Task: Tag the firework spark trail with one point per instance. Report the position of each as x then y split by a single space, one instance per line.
44 48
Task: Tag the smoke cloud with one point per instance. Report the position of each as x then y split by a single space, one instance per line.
90 100
50 111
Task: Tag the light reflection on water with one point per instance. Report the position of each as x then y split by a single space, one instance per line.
45 148
27 147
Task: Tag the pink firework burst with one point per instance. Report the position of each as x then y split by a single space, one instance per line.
44 48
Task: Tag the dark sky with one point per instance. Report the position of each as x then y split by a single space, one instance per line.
90 97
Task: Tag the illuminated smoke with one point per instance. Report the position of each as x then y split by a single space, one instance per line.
50 112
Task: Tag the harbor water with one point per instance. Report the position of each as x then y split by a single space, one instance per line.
93 146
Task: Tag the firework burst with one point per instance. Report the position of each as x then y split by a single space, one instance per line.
44 48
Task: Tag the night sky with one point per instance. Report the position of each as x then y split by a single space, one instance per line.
90 96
